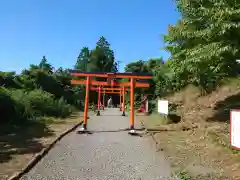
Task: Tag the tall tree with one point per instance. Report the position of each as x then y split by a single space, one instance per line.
106 56
83 59
45 66
204 44
99 59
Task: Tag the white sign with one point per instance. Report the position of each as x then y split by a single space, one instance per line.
235 129
163 107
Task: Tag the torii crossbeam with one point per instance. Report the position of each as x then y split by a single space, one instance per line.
110 82
103 90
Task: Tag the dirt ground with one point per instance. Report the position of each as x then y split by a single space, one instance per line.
195 154
199 146
18 145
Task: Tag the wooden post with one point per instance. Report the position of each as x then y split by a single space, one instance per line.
146 106
123 106
132 104
99 99
120 100
86 103
103 100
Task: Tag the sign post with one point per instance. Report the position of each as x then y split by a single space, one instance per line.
163 108
235 129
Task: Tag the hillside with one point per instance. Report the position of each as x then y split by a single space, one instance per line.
199 144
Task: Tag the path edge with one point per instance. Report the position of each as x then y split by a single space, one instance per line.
42 153
173 175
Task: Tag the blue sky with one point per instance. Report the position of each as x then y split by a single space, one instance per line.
58 29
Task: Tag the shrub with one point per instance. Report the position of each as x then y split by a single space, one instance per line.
44 104
6 106
152 106
18 105
14 106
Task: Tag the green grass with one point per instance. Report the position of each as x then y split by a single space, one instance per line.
215 138
231 81
155 121
184 175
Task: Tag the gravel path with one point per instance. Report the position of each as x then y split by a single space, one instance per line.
107 154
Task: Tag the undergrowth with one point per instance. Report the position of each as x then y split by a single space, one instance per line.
19 105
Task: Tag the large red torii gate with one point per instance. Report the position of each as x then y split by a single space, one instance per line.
110 82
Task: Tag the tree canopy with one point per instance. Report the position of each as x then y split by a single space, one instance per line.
204 44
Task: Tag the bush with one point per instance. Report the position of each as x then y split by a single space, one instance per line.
14 106
18 105
60 108
152 106
7 106
44 104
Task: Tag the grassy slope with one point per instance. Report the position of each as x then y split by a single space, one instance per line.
199 144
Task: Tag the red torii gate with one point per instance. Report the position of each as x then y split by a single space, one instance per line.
110 82
103 90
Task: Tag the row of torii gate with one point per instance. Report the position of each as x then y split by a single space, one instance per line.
121 92
111 87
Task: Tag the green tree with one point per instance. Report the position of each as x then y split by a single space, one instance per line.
204 44
154 63
99 59
136 67
83 59
106 58
45 66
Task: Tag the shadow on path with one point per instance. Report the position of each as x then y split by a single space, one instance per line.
21 139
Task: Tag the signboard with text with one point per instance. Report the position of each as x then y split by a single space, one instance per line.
163 107
235 129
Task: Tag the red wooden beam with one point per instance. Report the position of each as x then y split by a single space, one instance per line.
128 84
102 83
93 82
106 92
107 89
111 75
112 92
